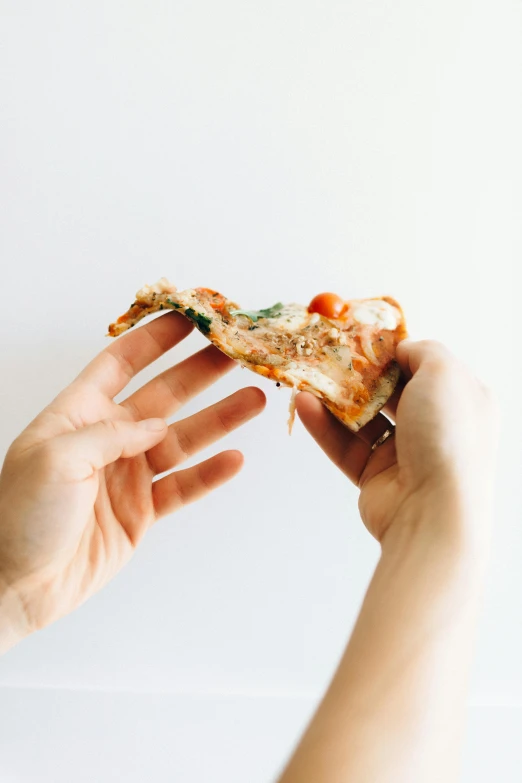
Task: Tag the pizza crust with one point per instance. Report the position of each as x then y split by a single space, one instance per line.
342 362
385 388
381 394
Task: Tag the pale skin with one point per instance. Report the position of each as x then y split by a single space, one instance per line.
394 711
76 489
77 496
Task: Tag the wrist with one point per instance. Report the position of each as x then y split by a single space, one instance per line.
442 524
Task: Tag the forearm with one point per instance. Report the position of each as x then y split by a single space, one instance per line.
394 711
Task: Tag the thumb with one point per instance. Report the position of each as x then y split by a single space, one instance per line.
403 354
97 445
411 354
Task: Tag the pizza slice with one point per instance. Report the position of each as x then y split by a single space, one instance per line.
341 351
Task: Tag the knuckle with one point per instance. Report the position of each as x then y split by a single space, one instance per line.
184 443
438 359
175 388
51 460
180 491
131 407
437 366
436 351
205 477
226 418
431 346
16 448
112 425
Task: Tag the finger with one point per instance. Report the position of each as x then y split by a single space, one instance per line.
412 354
77 455
349 452
189 436
383 457
165 394
113 368
375 428
185 486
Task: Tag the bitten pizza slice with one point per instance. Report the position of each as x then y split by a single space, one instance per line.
343 351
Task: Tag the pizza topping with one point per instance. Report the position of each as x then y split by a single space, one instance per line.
303 345
376 312
343 352
310 379
329 305
367 346
291 409
254 315
216 300
202 321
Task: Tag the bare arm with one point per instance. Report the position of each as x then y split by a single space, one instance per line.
395 708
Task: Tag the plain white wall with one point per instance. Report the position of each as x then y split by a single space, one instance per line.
270 150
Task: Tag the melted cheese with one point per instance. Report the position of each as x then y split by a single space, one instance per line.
299 349
376 312
292 319
314 378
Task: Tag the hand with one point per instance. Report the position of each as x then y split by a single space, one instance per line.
425 494
441 455
76 489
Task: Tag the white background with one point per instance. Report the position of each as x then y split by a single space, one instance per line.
270 150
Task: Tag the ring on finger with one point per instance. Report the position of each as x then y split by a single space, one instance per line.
388 433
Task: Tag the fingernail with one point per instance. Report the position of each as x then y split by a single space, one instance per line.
152 425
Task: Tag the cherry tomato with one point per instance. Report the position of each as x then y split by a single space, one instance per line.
329 305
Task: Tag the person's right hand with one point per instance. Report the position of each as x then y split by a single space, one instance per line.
440 459
78 489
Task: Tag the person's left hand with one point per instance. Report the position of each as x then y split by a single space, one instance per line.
76 489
